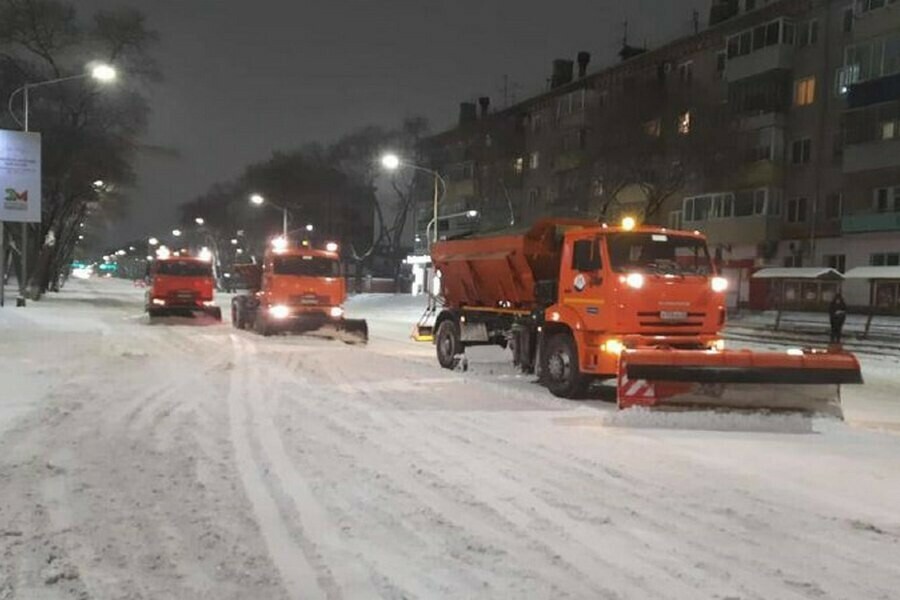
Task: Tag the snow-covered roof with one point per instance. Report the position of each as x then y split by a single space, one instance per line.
873 273
798 273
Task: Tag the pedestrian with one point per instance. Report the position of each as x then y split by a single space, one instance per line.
837 312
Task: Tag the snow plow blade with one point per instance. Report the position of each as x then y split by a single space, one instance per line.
423 333
354 331
804 381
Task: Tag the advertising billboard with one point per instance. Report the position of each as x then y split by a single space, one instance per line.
20 177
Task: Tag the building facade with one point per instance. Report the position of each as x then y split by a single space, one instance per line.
804 171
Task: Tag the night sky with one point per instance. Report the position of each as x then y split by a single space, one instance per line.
245 78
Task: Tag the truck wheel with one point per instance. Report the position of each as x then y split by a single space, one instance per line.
560 372
449 344
237 316
261 325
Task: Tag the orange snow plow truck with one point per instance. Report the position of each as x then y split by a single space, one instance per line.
296 289
181 285
578 302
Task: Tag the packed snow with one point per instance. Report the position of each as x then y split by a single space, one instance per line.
186 460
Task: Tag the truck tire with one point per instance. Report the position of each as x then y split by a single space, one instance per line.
261 325
560 372
448 344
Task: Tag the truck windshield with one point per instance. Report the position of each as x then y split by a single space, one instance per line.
184 268
307 266
659 253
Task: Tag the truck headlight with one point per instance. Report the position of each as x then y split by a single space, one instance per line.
614 347
635 280
279 311
719 284
336 312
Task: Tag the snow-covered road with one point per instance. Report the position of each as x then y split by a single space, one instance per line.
186 460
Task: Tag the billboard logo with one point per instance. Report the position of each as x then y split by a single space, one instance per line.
15 200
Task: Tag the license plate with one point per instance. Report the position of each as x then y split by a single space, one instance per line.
669 315
309 300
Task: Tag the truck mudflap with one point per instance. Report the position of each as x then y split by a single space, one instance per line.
804 381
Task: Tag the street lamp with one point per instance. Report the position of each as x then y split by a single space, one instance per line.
258 200
392 162
99 72
176 232
199 221
103 72
309 227
153 241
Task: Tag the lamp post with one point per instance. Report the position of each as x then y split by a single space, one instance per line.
259 200
392 162
100 72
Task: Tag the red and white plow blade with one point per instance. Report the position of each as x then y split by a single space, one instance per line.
793 381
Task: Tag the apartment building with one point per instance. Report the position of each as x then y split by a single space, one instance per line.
810 173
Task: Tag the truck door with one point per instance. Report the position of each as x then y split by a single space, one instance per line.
581 277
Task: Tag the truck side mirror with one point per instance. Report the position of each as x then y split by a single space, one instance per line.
586 256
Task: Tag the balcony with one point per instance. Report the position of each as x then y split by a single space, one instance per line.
770 58
879 21
753 229
869 156
874 91
871 222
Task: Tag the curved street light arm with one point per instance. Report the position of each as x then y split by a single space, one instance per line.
30 86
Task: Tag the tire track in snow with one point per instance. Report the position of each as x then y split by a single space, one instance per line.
297 573
395 578
315 522
450 511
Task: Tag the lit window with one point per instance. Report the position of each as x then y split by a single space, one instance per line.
888 130
653 128
805 91
684 123
519 165
535 160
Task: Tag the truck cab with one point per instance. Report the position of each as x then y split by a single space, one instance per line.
296 288
624 288
181 285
